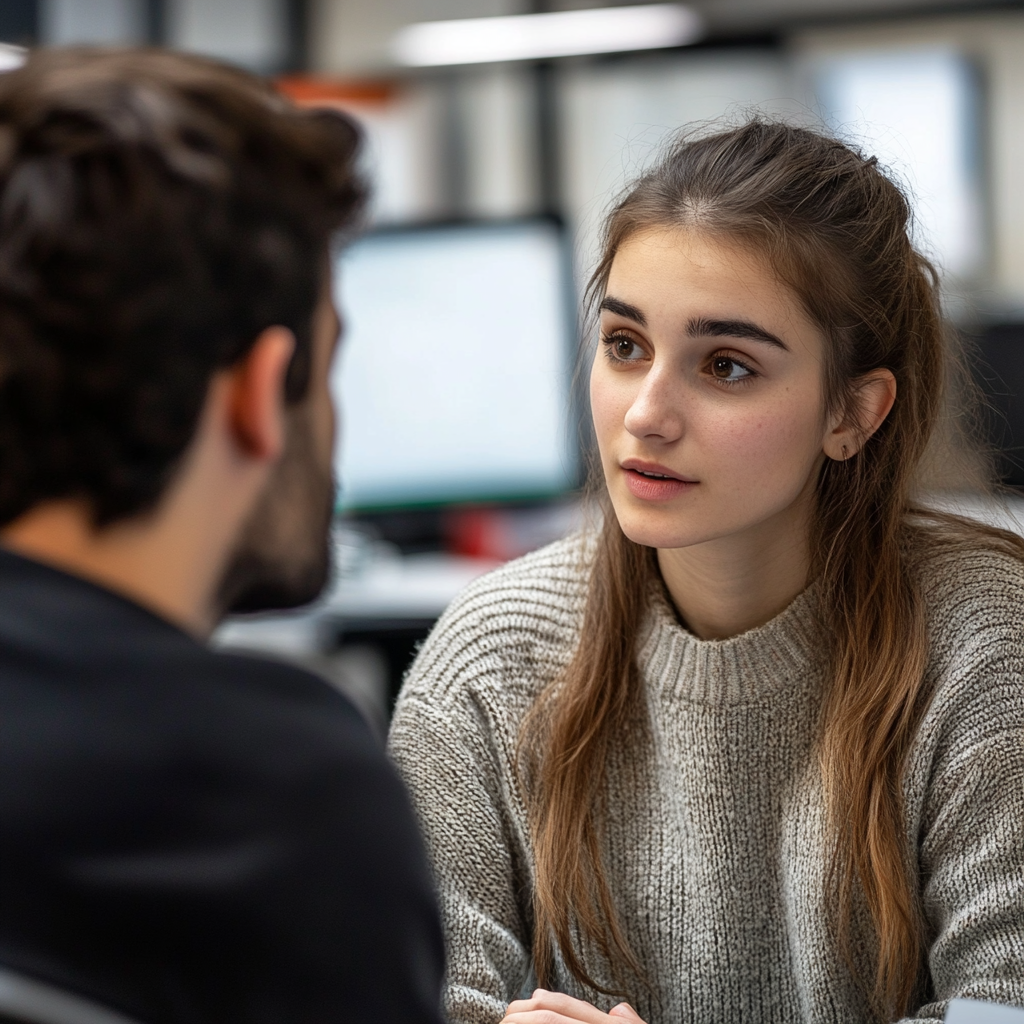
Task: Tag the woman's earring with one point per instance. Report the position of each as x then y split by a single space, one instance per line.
845 456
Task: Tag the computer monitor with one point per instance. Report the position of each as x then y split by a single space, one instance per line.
453 383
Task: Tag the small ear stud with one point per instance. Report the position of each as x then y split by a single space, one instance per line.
845 456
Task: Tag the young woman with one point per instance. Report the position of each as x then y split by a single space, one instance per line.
755 752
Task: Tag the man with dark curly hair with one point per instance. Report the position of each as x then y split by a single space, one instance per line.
184 835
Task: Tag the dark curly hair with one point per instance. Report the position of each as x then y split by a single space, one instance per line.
157 212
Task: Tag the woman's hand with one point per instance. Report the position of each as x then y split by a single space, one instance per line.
555 1008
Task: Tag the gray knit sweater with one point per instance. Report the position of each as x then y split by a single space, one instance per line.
714 844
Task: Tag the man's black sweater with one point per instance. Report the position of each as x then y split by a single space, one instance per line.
189 836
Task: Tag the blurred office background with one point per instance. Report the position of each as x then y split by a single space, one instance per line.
493 168
932 86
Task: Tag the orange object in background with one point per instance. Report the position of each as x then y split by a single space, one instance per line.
405 180
312 91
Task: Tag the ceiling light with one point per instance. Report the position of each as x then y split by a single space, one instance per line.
11 56
540 36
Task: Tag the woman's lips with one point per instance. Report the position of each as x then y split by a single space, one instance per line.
654 488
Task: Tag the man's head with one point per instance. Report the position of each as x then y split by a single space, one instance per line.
158 214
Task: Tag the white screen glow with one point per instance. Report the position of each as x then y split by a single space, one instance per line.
453 379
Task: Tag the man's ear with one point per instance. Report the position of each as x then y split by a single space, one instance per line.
871 401
256 395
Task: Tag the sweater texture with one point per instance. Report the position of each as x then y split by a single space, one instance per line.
715 843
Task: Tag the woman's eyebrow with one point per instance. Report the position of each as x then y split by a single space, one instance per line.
620 308
703 327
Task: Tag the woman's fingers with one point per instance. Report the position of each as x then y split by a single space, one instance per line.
539 1017
625 1013
554 1008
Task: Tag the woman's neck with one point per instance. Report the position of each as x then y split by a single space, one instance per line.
726 586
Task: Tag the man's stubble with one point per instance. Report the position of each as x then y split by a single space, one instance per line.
283 556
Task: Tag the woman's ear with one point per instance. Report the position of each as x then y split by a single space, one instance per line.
871 401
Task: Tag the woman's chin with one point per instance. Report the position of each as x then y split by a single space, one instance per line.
660 530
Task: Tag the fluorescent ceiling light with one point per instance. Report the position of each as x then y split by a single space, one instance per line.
539 36
11 56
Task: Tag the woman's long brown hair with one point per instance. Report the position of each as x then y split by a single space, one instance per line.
835 229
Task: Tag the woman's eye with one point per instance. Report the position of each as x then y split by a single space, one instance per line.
624 349
724 368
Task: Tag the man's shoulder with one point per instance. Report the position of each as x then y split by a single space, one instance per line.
140 763
141 722
283 697
115 688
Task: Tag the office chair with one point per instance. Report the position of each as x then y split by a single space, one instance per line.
25 1000
969 1011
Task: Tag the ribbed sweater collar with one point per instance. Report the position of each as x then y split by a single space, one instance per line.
781 660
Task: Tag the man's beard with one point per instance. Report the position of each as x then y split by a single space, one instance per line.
283 557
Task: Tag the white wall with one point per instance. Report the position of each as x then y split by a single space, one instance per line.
351 37
409 147
403 154
500 144
252 33
615 118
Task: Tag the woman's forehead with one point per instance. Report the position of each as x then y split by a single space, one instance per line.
673 271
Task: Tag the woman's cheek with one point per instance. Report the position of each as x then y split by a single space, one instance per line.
774 445
608 406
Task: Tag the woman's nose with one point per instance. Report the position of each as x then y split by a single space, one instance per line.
656 412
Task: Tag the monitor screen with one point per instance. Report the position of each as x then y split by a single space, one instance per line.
453 381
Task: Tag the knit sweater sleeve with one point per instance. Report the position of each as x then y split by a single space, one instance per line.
453 739
452 785
966 782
